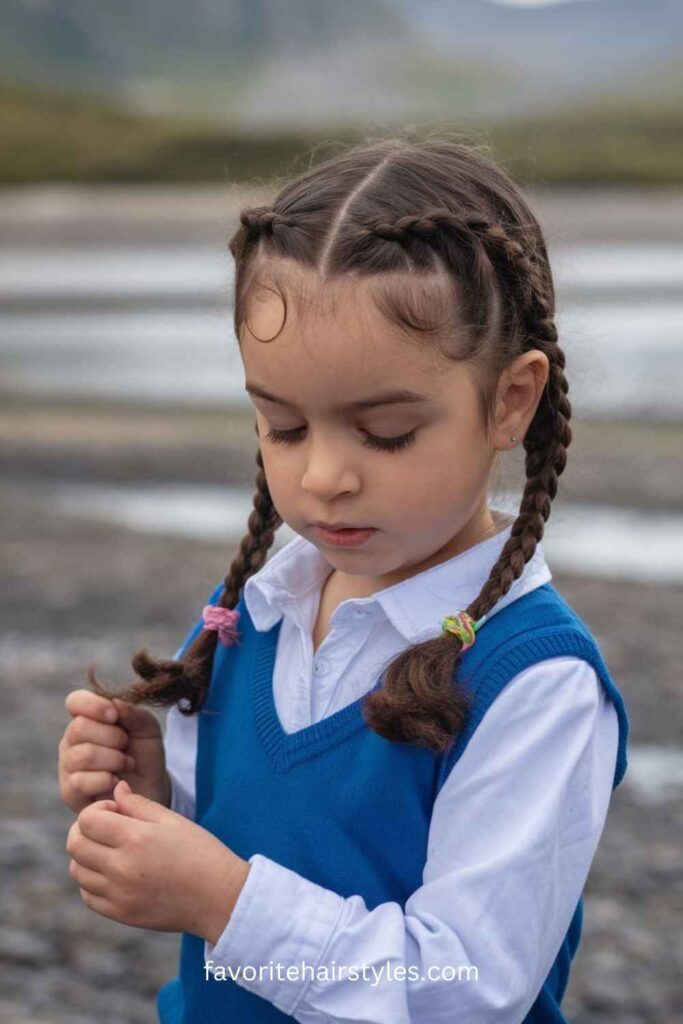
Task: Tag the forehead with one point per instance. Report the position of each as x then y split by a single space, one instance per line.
302 329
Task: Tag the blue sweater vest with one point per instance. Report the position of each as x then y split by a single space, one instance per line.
340 804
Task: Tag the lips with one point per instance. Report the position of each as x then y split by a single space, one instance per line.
346 537
339 525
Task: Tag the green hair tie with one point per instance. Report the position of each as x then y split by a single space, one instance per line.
463 626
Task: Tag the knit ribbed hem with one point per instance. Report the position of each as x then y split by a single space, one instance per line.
287 749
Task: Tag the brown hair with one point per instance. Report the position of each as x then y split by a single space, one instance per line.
437 218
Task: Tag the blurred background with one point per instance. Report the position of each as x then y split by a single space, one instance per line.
131 134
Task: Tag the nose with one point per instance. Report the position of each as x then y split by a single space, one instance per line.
329 471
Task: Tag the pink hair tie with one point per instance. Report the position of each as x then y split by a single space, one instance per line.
224 621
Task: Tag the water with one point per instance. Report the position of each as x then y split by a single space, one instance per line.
182 273
155 324
147 354
199 271
593 266
655 772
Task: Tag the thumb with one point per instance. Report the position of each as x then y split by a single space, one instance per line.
137 806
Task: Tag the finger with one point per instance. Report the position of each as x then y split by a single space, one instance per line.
139 723
92 881
82 730
89 757
104 805
87 852
99 904
85 702
135 805
102 826
93 784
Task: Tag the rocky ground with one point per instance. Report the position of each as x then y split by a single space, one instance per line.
75 591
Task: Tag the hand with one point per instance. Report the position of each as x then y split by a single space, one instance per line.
94 754
136 862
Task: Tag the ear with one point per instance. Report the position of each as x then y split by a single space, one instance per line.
520 389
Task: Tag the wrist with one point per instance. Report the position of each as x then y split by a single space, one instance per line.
222 888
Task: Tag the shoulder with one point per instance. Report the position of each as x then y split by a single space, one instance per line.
536 637
556 703
565 677
567 690
564 689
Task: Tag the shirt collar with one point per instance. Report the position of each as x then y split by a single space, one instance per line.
416 606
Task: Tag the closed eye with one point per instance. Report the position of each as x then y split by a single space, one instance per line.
385 444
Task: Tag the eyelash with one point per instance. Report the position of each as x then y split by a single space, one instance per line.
384 444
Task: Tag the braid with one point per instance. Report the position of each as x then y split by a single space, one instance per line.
263 522
167 680
452 236
261 220
546 444
414 705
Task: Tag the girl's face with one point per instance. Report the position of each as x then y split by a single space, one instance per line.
336 449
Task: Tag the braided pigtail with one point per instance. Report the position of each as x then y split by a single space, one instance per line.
165 680
418 703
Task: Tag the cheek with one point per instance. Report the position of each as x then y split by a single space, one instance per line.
407 488
281 477
433 489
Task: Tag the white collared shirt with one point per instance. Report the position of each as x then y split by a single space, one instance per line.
512 835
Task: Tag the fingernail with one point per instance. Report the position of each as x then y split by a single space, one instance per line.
130 762
111 714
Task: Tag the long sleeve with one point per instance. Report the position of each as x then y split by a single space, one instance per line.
513 833
182 800
180 744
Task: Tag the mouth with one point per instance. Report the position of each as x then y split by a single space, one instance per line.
340 526
344 536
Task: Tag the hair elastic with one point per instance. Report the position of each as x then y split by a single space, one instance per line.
462 625
224 621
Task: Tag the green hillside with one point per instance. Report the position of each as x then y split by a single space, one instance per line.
618 141
52 137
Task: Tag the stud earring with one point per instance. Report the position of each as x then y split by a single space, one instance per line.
513 438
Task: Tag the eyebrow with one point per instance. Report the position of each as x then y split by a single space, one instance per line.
394 397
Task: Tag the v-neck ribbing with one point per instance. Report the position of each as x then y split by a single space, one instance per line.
287 749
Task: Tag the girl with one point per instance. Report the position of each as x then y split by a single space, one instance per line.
391 748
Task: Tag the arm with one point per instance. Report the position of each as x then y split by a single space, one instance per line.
513 834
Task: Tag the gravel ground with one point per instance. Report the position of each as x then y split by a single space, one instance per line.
75 591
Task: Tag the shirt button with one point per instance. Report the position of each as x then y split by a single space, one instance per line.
321 666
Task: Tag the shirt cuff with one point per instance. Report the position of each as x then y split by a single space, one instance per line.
282 917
